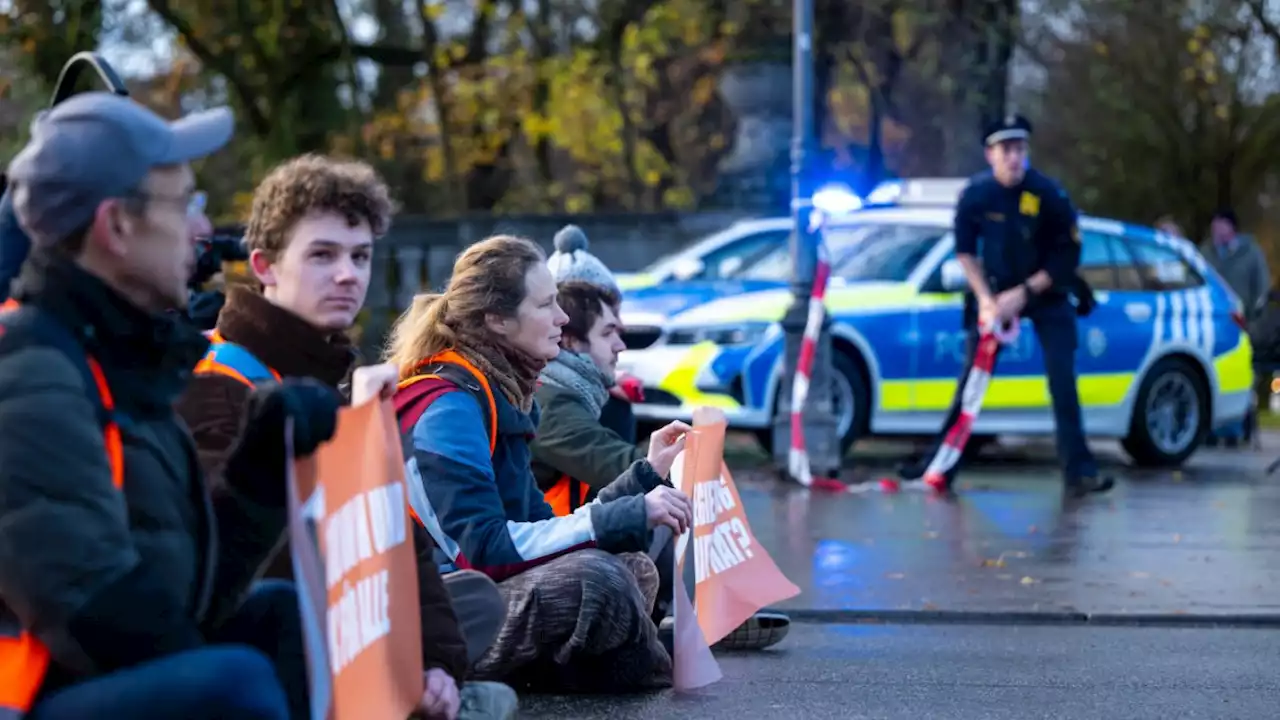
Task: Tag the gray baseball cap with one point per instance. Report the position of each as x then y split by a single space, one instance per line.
96 146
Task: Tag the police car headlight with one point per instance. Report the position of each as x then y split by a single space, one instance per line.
740 334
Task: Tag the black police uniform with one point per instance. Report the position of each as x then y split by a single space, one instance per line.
1015 233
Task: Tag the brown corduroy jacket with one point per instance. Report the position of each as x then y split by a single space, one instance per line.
213 408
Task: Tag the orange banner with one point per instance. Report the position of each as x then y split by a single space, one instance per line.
735 575
357 575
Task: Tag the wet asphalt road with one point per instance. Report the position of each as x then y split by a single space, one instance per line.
1201 542
949 672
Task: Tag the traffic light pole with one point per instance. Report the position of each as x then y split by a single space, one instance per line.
819 422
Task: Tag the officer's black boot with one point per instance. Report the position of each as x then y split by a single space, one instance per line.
1085 486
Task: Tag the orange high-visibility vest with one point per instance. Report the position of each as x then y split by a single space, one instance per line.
234 361
24 660
567 495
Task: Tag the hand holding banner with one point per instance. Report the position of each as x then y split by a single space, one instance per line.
357 575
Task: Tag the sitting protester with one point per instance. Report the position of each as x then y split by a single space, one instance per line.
575 454
310 237
579 588
124 586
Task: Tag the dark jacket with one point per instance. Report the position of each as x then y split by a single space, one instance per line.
1018 231
572 441
488 512
109 578
213 405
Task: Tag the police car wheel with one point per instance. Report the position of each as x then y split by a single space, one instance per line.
850 401
849 391
1170 417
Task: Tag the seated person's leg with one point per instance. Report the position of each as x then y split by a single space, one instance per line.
580 622
212 683
480 607
269 620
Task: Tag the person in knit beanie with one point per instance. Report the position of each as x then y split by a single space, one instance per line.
571 261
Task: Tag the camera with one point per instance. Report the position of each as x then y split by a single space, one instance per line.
223 246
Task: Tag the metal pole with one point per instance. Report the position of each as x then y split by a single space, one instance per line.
819 421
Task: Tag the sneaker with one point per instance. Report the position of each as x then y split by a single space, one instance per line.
762 630
488 701
1082 487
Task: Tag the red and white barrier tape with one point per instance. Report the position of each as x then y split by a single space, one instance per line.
952 446
798 456
975 389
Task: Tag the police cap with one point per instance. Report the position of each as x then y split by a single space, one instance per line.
1010 127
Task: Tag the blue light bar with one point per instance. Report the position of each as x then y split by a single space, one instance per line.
836 200
886 193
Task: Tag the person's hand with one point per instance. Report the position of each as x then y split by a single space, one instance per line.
256 465
987 311
1009 304
373 381
667 506
312 405
665 444
440 698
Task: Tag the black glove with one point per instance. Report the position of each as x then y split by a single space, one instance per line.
1085 302
257 464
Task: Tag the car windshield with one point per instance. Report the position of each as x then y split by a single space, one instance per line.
884 252
872 251
666 264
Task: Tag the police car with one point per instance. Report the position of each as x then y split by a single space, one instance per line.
748 256
1163 359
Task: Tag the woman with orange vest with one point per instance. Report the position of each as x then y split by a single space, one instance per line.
579 587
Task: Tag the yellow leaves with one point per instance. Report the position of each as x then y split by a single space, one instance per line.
432 12
703 90
903 33
536 126
387 148
1101 49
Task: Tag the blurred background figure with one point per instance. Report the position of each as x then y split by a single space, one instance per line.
1240 262
1167 225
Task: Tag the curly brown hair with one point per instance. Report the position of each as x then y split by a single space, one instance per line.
311 183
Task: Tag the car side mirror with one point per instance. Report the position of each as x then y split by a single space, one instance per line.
953 277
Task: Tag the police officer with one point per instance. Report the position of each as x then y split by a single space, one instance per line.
1017 238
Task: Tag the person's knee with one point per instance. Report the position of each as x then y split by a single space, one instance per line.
275 601
610 585
238 679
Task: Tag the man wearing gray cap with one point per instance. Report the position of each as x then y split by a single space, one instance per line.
121 578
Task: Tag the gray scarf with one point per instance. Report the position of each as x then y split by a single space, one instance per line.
577 373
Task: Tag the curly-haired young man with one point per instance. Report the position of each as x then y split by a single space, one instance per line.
310 239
